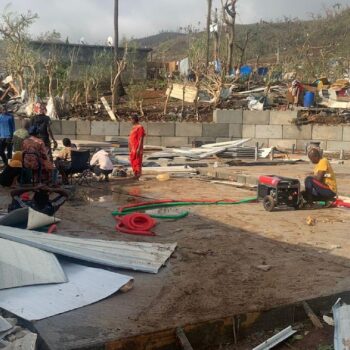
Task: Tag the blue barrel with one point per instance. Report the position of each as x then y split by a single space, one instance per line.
309 99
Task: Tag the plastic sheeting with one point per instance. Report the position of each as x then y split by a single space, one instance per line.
341 314
86 285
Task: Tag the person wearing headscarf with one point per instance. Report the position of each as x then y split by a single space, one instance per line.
136 140
42 123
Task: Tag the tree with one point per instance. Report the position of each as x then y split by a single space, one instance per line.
14 29
229 12
210 3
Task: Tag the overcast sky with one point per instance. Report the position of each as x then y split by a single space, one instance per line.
93 19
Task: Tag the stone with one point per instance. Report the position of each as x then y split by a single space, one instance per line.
107 128
83 127
256 118
68 127
283 144
216 130
268 131
248 131
235 130
282 117
228 116
168 141
188 129
161 129
303 132
326 132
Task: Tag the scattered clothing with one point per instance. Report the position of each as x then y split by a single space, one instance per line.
136 148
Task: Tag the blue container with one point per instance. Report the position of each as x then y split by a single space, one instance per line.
246 70
309 99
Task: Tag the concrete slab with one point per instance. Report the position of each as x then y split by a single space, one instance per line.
160 129
56 127
83 127
282 117
327 132
297 132
174 141
105 128
248 131
282 144
186 290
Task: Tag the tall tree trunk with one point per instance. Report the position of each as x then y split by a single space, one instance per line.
210 3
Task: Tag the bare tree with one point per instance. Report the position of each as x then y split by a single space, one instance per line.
14 31
243 46
229 11
210 4
120 66
216 35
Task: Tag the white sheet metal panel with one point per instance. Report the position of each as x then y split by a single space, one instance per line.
4 325
341 315
86 285
21 265
146 257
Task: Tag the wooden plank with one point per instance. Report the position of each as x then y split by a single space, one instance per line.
189 95
181 336
108 109
313 318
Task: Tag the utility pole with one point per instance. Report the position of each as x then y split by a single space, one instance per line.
116 28
210 3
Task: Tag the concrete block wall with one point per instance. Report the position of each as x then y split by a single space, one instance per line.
268 128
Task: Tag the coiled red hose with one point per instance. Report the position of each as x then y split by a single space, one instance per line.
136 224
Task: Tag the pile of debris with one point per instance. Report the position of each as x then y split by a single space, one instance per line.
13 336
324 116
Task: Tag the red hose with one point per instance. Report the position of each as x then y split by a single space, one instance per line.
136 224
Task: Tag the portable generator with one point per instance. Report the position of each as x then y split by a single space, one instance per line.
278 192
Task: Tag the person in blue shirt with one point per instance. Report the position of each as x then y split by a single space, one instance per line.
7 128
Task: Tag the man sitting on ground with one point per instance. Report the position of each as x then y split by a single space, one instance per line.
40 200
64 159
322 186
101 164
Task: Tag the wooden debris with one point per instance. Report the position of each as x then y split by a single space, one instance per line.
312 316
184 342
108 109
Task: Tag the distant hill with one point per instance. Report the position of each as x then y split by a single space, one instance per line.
330 34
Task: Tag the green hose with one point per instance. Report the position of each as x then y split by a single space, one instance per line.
178 204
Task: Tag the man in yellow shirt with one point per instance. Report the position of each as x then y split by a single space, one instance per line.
322 186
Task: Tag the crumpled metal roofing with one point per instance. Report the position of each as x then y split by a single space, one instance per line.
146 257
21 265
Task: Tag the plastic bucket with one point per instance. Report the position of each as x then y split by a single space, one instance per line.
309 99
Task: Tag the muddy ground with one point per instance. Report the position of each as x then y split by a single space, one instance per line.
214 271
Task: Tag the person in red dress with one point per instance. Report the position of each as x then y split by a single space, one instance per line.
136 139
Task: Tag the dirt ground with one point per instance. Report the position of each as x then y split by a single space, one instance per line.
214 271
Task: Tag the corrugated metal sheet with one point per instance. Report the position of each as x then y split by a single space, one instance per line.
4 325
21 265
86 285
341 314
146 257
